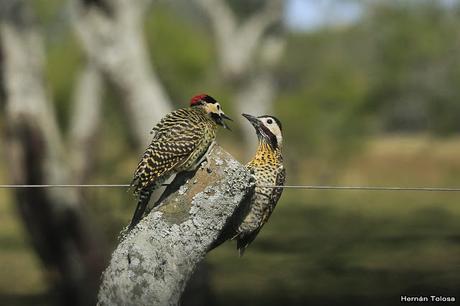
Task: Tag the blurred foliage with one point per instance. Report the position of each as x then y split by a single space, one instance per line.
64 57
183 55
323 92
63 65
246 8
417 64
395 70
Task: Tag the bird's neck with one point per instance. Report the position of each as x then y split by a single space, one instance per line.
267 154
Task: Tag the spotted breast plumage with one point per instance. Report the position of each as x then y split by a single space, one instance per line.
268 170
180 143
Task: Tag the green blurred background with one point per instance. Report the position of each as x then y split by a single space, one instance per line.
372 100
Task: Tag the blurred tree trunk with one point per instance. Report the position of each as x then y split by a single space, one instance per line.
60 232
112 36
248 51
85 121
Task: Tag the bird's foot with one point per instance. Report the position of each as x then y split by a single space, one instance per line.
252 180
206 165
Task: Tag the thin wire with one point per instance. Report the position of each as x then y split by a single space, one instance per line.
369 188
311 187
66 186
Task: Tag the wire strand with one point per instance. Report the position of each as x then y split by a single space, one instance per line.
311 187
16 186
369 188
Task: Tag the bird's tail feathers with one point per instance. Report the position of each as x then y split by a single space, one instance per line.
241 245
144 197
133 186
244 239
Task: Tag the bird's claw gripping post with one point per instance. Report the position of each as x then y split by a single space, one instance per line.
252 181
204 163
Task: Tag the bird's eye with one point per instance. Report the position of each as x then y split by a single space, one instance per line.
218 107
269 121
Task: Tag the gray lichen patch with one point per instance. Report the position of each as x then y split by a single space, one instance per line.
176 212
183 189
219 162
209 190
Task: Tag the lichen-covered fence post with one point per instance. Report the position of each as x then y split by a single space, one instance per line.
152 264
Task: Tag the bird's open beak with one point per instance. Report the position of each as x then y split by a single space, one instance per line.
222 122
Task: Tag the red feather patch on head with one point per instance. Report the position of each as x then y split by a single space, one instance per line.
196 99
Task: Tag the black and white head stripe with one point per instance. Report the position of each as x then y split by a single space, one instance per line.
273 118
268 129
209 99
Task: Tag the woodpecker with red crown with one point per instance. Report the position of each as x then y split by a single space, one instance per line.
181 141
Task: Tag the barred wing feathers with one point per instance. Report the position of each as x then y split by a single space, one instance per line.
176 136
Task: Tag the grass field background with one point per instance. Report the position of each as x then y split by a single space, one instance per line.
321 247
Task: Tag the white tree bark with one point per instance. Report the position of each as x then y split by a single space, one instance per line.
152 264
238 44
113 40
86 115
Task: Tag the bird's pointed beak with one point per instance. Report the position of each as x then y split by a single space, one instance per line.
222 122
226 117
254 121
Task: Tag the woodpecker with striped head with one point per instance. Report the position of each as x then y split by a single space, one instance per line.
268 170
180 142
